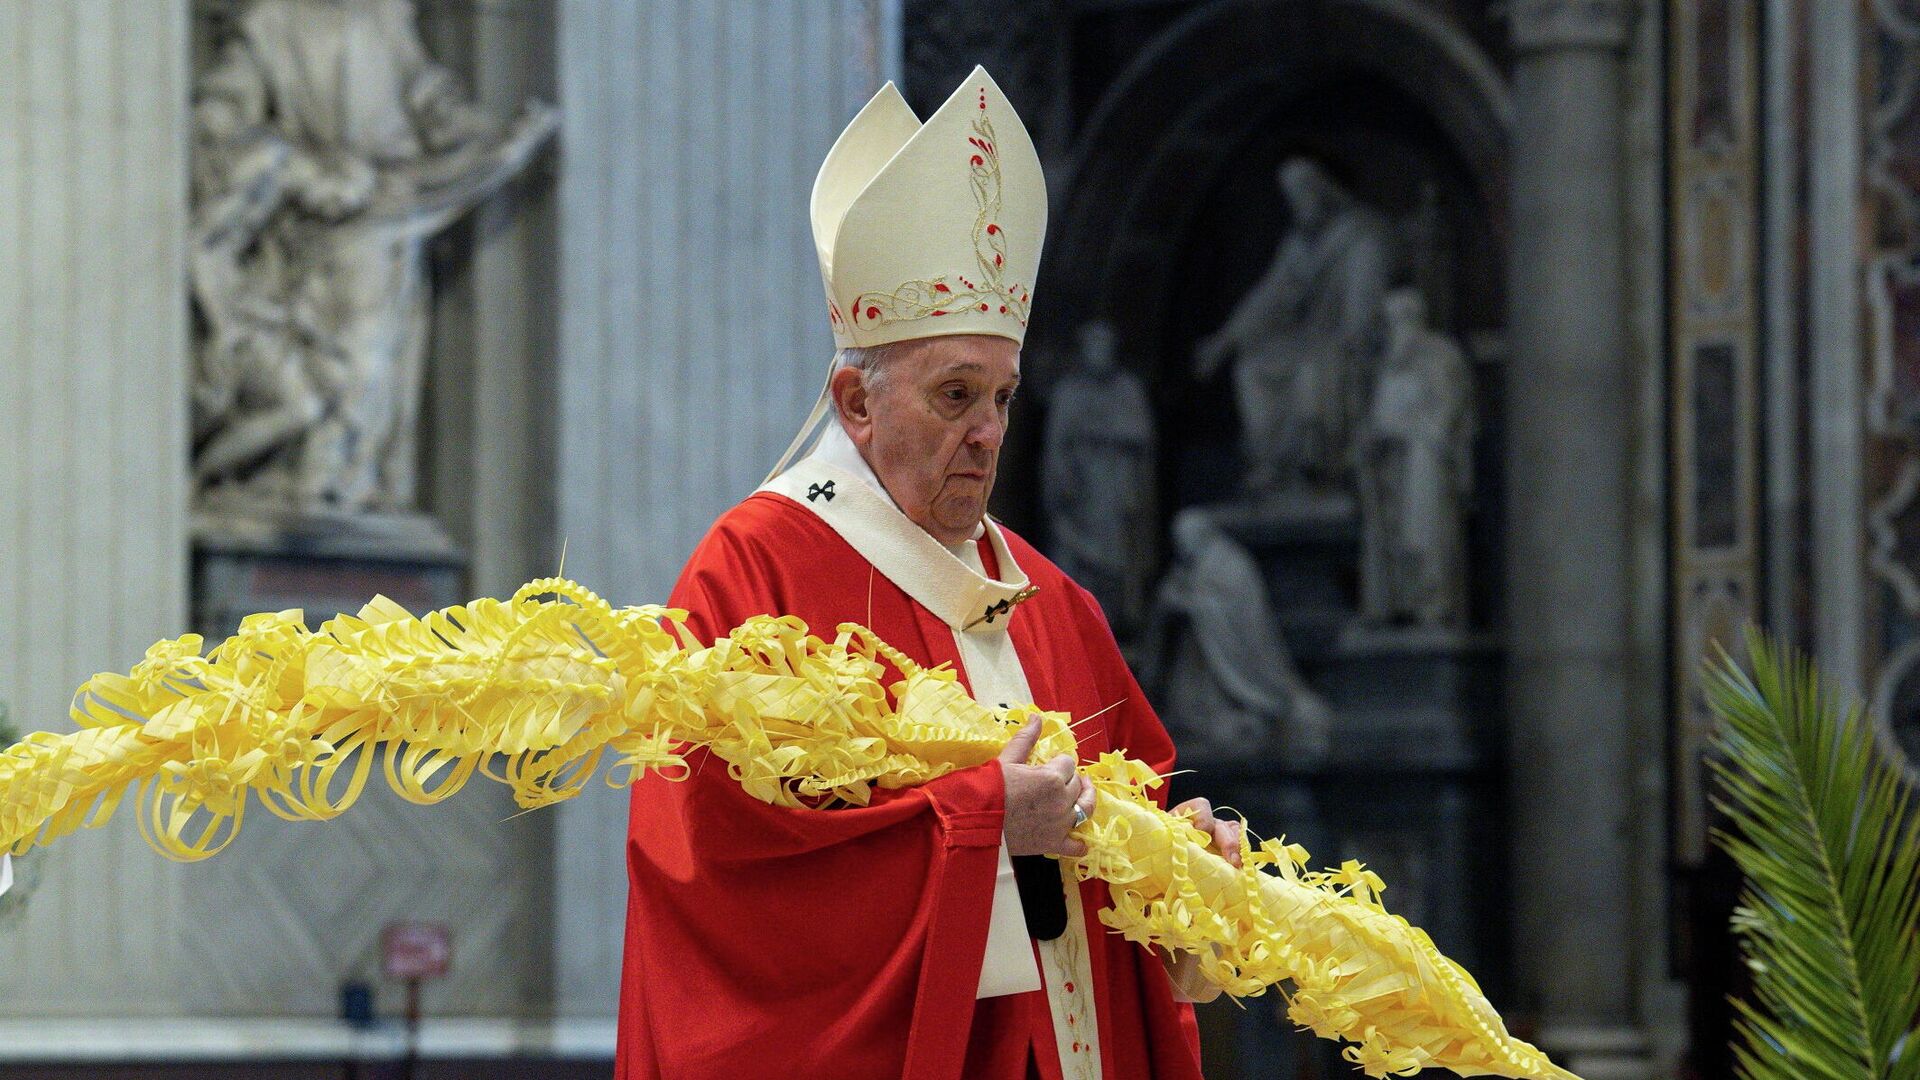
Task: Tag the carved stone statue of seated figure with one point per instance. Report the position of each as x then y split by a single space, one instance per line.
1301 337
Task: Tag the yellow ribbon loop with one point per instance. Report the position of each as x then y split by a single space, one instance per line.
537 691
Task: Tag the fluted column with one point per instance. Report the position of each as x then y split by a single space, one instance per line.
1568 581
691 330
93 456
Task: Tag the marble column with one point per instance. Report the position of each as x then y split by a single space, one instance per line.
495 318
1836 255
93 443
692 336
1568 576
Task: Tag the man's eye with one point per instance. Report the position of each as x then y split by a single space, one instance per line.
955 393
1006 398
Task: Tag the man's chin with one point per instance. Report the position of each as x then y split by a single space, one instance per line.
958 517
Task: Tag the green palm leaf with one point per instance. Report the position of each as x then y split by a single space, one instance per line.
1821 828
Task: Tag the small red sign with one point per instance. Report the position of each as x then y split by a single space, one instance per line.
416 950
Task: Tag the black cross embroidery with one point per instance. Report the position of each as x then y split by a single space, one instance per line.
815 491
995 610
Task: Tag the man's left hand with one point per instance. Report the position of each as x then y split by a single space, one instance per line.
1226 832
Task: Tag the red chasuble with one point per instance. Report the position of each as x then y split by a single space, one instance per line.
847 943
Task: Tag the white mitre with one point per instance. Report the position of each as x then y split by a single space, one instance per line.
928 229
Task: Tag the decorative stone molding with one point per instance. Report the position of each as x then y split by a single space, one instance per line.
1542 25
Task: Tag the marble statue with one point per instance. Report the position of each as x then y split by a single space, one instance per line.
329 148
1214 650
1414 463
1302 337
1097 478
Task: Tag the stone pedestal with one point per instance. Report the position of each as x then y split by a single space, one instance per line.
1412 791
306 902
1411 785
323 565
1423 699
1309 545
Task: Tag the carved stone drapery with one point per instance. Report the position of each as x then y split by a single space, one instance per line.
329 150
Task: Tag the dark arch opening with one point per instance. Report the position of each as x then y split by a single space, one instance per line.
1166 211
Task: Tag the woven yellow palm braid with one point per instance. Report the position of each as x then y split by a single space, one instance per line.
539 691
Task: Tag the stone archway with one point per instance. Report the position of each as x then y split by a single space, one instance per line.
1186 103
1157 229
1220 91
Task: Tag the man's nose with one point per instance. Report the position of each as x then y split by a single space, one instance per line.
989 433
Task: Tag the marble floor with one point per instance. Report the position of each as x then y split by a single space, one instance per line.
444 1069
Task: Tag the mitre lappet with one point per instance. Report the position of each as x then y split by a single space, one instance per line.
927 229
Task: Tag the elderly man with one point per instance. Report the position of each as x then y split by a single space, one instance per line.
928 934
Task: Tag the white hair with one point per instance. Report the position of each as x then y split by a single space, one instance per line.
870 361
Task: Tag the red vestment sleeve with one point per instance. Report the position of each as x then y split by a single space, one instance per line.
765 940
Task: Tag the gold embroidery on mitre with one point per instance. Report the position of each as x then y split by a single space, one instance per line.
923 299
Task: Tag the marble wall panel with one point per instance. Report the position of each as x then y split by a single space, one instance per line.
690 340
1713 161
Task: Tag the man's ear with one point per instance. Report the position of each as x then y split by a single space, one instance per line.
850 402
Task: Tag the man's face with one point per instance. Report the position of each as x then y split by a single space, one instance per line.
932 429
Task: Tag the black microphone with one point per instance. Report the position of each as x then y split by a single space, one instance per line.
1042 896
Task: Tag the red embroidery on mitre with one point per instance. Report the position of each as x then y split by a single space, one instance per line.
926 298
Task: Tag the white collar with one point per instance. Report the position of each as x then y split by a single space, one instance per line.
836 448
859 510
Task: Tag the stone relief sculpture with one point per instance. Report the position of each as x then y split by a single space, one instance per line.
1300 339
1097 478
329 150
1215 651
1414 464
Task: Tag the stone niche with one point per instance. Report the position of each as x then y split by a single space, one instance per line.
1164 133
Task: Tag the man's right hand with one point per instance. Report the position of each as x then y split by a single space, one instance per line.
1041 798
